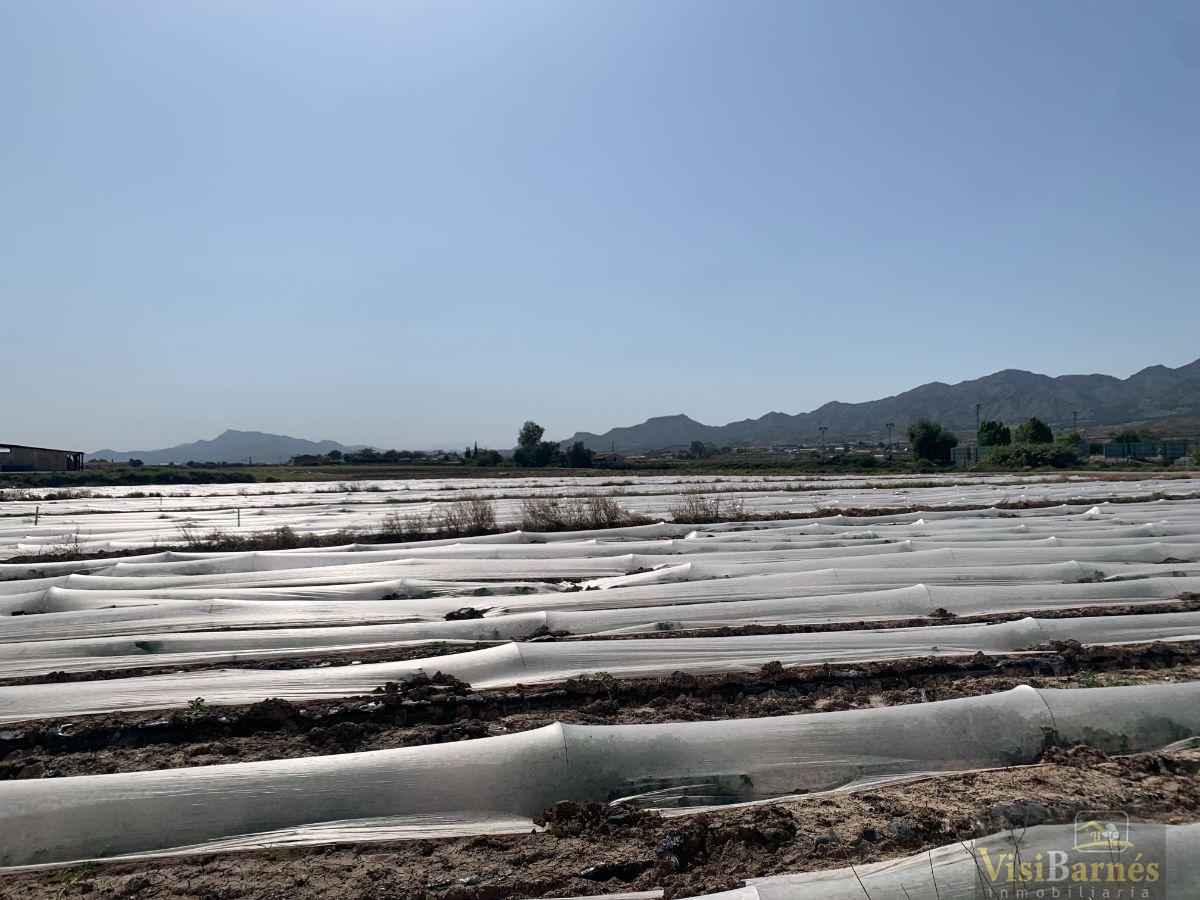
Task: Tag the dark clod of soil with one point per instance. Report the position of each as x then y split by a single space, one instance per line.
1021 814
575 819
467 612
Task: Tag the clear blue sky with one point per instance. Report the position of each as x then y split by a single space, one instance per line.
414 223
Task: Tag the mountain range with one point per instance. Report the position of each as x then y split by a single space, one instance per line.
1160 398
1164 399
229 446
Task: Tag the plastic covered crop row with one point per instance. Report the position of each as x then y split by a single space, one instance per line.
517 776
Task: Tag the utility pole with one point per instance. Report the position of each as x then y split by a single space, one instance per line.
822 429
1075 421
889 426
978 407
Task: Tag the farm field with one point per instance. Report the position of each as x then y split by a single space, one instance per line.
42 520
847 685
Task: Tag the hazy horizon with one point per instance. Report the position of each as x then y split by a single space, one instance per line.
510 441
408 224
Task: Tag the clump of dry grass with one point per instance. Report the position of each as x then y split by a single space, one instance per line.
697 508
577 514
67 547
60 494
465 517
282 538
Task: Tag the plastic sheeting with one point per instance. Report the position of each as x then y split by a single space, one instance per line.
591 561
135 634
519 775
727 580
538 663
168 609
111 522
187 608
58 613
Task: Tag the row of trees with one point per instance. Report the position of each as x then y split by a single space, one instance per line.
531 452
997 434
473 456
366 457
1032 444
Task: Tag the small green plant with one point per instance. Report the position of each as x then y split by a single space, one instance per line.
197 708
1087 679
607 682
71 875
65 878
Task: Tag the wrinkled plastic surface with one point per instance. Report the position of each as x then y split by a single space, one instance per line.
510 664
519 775
135 634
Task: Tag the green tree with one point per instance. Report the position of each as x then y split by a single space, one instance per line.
579 456
135 463
929 440
1073 441
335 455
698 450
487 457
1033 431
1126 436
539 455
530 434
1061 454
532 451
993 434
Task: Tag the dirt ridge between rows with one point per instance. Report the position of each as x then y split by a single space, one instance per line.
441 709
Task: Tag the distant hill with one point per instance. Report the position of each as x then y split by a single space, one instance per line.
1167 400
230 446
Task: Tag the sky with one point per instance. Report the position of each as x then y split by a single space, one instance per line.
413 224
